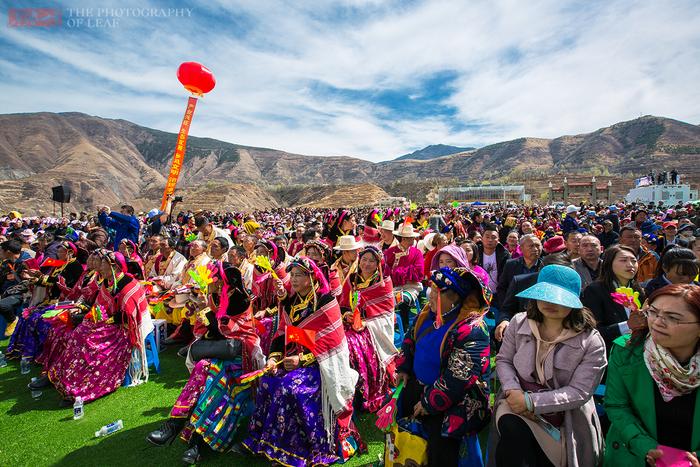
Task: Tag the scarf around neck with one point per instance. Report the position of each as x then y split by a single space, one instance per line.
672 378
545 347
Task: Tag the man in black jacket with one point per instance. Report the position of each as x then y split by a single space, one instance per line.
588 264
614 218
608 237
492 255
531 248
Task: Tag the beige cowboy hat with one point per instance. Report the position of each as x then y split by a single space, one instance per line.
28 236
406 231
179 300
388 225
347 243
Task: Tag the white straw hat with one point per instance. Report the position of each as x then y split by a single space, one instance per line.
406 230
388 225
347 243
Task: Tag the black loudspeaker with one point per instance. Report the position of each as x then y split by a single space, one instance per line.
61 194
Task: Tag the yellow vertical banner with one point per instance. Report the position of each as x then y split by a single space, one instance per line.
179 154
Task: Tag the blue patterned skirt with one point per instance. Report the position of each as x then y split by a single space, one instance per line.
28 339
287 426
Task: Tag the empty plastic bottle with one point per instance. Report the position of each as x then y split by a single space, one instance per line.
109 429
3 361
24 367
78 411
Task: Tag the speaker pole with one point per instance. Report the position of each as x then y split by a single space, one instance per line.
61 209
54 208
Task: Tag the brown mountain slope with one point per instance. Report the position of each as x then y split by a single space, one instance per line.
47 149
110 161
331 196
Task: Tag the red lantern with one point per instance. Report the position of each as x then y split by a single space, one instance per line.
196 78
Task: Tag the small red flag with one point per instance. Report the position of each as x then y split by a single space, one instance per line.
409 220
52 263
356 320
64 317
260 327
300 336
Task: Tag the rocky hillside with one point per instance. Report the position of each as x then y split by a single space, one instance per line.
110 161
226 196
331 196
632 147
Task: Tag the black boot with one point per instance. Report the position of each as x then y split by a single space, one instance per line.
182 335
183 351
40 383
193 454
240 449
167 432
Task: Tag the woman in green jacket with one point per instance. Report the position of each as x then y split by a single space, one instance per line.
651 396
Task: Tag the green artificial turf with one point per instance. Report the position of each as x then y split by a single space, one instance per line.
38 432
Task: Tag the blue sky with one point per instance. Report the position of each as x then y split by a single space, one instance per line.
365 78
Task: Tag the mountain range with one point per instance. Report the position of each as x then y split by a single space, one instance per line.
107 161
433 151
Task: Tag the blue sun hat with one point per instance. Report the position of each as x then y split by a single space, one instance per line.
153 213
556 284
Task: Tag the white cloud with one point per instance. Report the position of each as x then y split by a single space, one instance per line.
541 68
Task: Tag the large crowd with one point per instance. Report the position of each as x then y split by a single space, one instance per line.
567 334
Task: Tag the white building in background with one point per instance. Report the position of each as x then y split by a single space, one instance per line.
485 193
391 201
669 194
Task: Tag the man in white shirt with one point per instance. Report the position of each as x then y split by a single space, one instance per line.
239 258
179 315
387 233
208 232
169 264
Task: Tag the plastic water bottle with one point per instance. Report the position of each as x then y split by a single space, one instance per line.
78 411
24 367
3 361
109 429
36 393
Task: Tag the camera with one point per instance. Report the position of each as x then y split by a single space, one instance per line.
177 199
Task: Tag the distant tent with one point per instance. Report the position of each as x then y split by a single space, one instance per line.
478 203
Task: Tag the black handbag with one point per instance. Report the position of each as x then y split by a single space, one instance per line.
224 349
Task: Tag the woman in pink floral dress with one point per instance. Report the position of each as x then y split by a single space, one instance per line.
99 350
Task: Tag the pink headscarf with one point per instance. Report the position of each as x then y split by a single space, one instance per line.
309 266
455 252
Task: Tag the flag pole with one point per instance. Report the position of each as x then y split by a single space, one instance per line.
179 154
